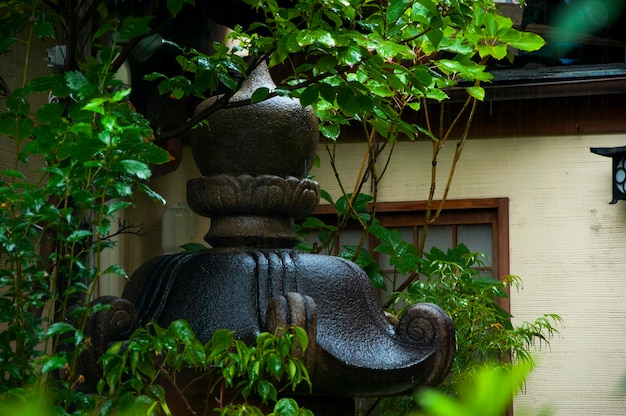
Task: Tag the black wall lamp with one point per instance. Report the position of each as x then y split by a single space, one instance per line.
618 154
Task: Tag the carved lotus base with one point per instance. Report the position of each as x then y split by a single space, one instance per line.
252 210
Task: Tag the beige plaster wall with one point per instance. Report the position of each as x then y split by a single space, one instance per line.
566 242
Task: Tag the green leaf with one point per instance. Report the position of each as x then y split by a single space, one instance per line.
259 94
228 81
448 66
528 42
174 6
106 27
122 189
76 81
205 80
302 336
326 196
59 328
156 391
375 273
395 9
309 95
274 364
44 25
49 112
135 168
151 193
292 369
381 90
437 94
390 50
53 363
327 92
193 247
435 36
222 339
78 235
17 103
182 330
19 128
318 36
96 105
359 204
135 26
54 83
14 174
116 206
266 390
487 393
316 224
351 54
79 128
177 93
346 99
477 92
326 63
498 51
331 131
430 6
415 106
5 43
489 23
114 269
286 407
153 76
120 95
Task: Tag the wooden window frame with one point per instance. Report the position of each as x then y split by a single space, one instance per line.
494 211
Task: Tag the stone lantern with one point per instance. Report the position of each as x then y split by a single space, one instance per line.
254 159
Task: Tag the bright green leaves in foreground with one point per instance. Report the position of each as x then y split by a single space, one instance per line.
488 392
133 368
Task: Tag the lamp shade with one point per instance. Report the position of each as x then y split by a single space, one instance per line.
618 155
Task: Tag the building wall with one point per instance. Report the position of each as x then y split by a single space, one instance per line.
566 243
